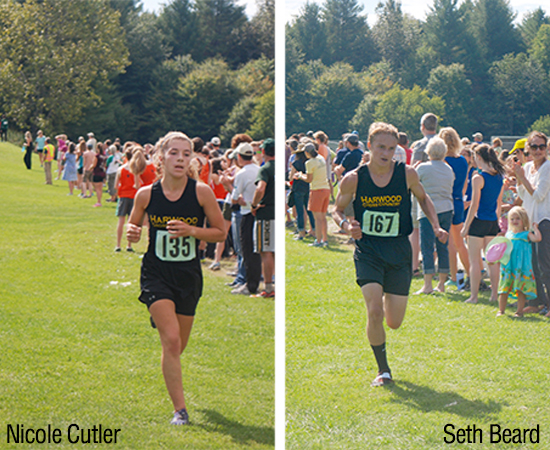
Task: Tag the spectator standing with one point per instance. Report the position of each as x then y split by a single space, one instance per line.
98 176
243 193
29 147
88 162
319 192
534 189
49 156
69 167
481 224
40 143
437 178
459 165
263 207
4 128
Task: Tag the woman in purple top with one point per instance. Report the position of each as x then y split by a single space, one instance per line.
481 224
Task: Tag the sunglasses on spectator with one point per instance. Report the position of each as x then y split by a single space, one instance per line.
537 147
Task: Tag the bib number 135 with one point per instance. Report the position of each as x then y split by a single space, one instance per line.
385 224
178 249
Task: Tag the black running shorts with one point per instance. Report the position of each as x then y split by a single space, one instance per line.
162 282
483 228
387 262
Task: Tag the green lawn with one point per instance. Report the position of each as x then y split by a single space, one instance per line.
454 363
77 346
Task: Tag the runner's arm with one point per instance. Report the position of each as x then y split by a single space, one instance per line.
345 195
135 221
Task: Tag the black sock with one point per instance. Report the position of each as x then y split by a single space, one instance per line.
380 355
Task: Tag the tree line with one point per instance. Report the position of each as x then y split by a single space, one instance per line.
200 66
470 64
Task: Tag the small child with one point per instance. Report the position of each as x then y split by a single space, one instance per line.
516 276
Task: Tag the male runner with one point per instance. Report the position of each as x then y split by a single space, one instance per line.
380 192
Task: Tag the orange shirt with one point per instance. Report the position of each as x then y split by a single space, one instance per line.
149 176
205 172
219 191
126 184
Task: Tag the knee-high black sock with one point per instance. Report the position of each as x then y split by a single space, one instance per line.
380 355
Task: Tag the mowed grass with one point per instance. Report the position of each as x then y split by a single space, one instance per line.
453 363
76 347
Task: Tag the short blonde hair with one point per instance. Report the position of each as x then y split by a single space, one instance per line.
452 140
382 128
436 149
522 214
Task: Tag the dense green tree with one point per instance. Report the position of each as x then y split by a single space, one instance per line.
263 117
297 87
404 108
308 32
447 33
220 23
540 48
451 84
263 27
492 23
49 74
178 25
523 90
206 97
334 96
349 38
530 25
542 124
147 53
162 112
396 39
239 119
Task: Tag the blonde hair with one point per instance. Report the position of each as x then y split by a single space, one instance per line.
452 140
137 164
382 128
162 146
522 214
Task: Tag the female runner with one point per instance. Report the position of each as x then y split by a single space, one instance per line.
171 277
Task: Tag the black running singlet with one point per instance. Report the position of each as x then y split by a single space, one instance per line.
181 251
383 212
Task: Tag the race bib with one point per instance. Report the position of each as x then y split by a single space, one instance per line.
178 249
382 224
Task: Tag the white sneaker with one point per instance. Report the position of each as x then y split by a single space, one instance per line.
382 379
243 290
180 417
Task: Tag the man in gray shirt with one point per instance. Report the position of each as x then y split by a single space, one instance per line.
428 127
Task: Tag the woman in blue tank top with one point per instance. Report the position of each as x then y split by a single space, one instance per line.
460 167
481 224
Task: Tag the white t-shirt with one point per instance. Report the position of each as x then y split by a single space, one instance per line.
245 185
538 204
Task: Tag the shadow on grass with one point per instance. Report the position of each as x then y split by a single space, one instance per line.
426 399
242 434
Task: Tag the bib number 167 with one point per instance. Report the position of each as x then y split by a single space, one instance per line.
178 249
381 223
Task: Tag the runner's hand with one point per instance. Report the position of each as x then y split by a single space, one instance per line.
178 228
133 233
354 229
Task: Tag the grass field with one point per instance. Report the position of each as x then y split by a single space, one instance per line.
453 363
77 346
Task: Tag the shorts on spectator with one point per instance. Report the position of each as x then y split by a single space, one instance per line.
264 236
124 206
88 174
319 200
483 228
